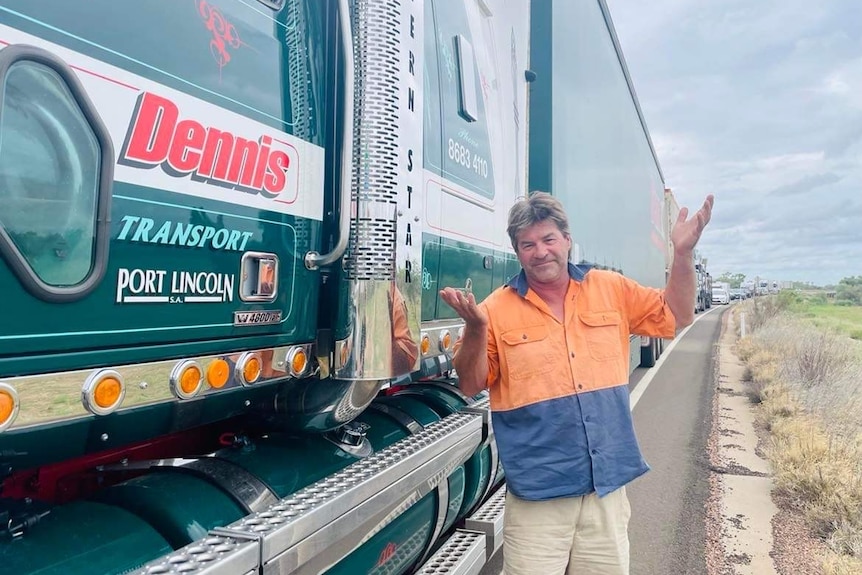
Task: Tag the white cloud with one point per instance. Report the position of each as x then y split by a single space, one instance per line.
759 103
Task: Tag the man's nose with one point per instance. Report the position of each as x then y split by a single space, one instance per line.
541 251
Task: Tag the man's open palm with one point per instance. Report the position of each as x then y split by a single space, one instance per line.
686 231
465 306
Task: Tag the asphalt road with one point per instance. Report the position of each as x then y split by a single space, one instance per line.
672 420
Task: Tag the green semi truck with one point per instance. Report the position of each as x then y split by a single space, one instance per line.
223 229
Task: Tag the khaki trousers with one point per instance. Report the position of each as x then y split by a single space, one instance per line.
585 535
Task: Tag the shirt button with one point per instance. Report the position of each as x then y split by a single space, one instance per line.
594 451
573 354
580 386
587 418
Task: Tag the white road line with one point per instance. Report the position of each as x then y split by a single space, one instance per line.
642 385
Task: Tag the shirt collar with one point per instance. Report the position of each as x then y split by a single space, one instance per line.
519 281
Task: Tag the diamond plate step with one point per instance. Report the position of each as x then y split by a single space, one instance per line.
318 525
212 555
328 519
488 519
462 554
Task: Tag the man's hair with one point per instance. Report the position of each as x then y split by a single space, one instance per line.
538 207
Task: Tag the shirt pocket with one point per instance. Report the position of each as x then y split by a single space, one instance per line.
602 334
528 352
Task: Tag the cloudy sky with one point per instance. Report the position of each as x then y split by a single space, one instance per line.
760 103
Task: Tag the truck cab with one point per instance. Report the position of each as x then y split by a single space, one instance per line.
224 225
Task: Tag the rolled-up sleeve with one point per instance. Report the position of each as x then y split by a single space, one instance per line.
648 311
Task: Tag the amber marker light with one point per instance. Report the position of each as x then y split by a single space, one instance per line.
186 379
425 345
9 406
445 340
218 373
298 361
103 392
249 368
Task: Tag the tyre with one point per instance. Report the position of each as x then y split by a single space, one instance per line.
648 354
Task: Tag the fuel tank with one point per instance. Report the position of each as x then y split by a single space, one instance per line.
374 495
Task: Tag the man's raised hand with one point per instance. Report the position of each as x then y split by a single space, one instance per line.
686 232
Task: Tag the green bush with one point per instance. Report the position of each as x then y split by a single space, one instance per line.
850 289
787 299
818 299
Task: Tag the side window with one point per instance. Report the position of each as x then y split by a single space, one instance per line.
432 131
464 89
56 167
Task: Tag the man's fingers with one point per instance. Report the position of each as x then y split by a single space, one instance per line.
464 305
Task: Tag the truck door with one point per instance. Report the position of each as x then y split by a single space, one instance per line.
463 181
432 163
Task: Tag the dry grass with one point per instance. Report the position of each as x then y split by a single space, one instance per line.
842 565
809 383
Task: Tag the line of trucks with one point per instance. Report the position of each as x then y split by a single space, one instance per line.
223 229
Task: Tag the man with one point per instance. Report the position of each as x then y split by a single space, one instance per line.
552 346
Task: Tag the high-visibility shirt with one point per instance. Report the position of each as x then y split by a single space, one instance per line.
559 390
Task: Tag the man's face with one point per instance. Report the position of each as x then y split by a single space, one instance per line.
543 251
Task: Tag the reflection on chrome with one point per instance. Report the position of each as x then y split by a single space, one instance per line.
46 398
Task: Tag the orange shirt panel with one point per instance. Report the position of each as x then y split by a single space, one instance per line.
534 357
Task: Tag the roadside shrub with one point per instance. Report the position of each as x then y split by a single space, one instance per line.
745 348
787 299
842 565
847 539
820 357
817 299
760 310
777 402
809 383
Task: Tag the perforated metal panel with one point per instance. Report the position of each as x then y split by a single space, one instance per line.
307 501
377 27
299 522
214 555
463 554
297 64
372 249
405 550
489 520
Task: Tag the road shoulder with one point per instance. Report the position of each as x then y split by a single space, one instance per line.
741 508
749 530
